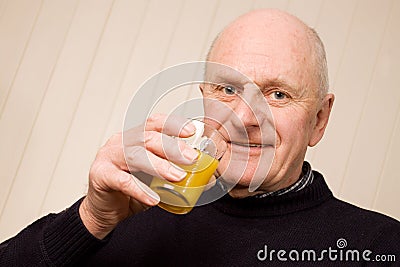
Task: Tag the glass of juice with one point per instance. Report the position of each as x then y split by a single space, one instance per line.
181 197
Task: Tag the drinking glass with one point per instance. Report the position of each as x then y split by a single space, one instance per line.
180 197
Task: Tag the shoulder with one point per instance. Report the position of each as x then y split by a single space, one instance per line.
346 212
379 229
360 229
350 216
364 215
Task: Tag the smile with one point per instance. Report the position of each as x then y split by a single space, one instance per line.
249 144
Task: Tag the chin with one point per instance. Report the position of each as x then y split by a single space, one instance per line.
244 171
247 183
240 191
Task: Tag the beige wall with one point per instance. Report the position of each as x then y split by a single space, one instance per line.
68 69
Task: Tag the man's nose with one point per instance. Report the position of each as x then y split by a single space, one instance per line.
245 114
252 108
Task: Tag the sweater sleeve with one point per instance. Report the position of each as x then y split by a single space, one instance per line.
385 248
54 240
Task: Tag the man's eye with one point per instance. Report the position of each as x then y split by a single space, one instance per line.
229 90
279 95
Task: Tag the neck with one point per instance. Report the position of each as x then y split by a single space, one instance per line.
242 191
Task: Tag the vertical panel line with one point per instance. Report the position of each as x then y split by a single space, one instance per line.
315 152
181 7
346 44
217 5
40 210
386 159
321 6
370 87
203 56
37 114
6 100
9 89
395 125
162 65
124 74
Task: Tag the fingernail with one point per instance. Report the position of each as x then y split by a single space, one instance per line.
189 129
155 197
190 154
178 174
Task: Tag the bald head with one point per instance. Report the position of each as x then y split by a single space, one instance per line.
276 36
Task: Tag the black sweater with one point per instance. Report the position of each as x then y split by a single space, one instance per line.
310 227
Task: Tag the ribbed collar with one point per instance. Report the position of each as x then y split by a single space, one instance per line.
304 180
312 195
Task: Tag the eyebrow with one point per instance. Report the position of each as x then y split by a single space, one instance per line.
232 78
272 83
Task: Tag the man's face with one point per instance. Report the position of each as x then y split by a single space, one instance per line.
277 60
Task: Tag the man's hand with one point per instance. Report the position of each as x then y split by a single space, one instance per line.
114 193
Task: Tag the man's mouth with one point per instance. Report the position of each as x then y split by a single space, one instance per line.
248 144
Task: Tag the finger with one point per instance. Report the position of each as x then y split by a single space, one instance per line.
115 139
174 150
170 125
112 153
139 159
128 185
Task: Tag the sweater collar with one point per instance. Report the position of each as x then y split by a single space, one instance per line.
304 180
314 194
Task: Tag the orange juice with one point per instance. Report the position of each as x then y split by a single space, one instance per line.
180 197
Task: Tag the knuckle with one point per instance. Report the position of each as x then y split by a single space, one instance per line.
93 170
150 137
103 150
114 138
134 153
104 154
136 138
155 121
96 171
162 168
155 118
124 181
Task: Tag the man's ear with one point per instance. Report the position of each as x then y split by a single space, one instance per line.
322 119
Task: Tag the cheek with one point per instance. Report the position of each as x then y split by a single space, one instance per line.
219 111
291 127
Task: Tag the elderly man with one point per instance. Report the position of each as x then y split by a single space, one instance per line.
291 216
